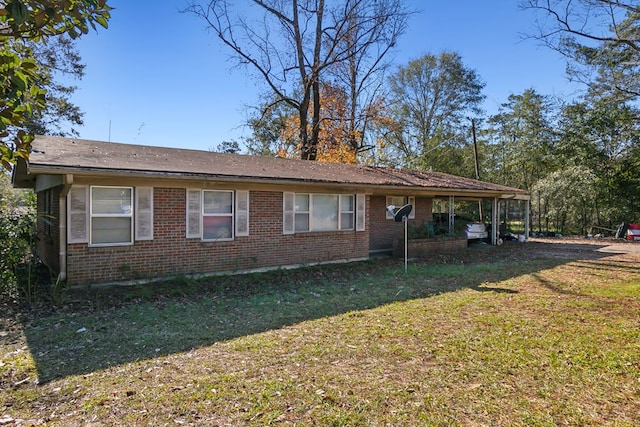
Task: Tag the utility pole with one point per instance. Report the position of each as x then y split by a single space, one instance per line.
475 148
475 155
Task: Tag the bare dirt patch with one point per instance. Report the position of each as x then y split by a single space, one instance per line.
577 247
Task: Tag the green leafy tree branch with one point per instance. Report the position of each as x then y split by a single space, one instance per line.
23 80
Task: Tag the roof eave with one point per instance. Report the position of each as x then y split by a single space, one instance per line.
54 170
27 172
20 177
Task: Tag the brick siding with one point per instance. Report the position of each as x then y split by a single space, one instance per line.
384 231
424 248
171 253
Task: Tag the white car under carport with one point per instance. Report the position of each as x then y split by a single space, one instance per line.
476 231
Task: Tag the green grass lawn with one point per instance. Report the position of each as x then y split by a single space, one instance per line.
504 336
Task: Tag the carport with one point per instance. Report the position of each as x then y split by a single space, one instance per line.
498 203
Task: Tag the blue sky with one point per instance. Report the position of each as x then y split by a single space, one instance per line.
158 77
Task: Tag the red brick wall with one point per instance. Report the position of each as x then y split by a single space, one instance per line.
425 248
384 231
171 253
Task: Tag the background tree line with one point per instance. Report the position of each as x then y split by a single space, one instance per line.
331 94
37 53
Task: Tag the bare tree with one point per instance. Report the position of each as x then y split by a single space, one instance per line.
373 28
601 38
293 44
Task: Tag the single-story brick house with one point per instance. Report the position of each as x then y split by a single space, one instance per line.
111 212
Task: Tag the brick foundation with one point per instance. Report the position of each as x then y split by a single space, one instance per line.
424 248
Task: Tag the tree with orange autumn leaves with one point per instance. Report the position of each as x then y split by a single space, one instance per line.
295 47
341 138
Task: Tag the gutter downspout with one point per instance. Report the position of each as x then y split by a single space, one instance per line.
67 181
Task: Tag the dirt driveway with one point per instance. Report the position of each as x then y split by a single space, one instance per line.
580 248
613 246
567 248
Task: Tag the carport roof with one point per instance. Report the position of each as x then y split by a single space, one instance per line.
57 155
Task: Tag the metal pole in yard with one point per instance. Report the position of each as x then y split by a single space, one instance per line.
406 246
476 163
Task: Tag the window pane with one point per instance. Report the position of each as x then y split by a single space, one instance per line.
218 202
325 212
346 221
347 203
302 222
110 230
217 227
302 203
111 200
398 201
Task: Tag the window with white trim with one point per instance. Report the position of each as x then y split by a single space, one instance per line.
347 211
217 215
400 201
111 216
322 212
302 209
108 215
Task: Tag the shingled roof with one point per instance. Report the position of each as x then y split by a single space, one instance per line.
56 155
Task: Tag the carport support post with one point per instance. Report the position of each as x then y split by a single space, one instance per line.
527 208
452 215
495 215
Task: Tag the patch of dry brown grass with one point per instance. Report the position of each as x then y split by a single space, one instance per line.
532 341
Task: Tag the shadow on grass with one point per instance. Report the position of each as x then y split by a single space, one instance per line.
97 329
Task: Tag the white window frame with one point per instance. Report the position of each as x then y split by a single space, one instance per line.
290 212
408 200
299 212
195 214
342 211
129 215
230 215
79 208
